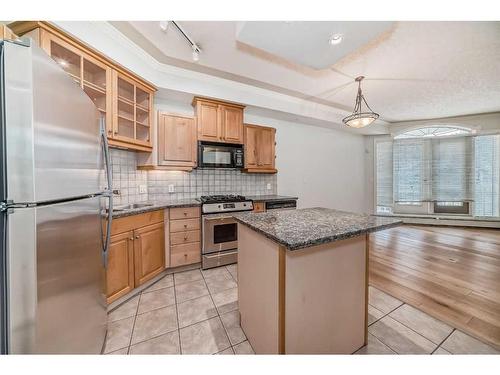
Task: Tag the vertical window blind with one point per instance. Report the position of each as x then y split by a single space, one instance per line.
487 175
384 174
452 169
408 170
448 169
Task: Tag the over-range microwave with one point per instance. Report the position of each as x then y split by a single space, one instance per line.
219 155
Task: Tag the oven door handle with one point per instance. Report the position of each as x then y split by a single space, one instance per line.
219 255
219 218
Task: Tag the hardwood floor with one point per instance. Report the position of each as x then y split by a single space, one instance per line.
450 273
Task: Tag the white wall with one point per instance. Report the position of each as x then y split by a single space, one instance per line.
323 167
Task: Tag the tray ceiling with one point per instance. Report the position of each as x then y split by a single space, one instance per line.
413 70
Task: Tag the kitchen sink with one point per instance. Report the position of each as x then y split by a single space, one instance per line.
131 206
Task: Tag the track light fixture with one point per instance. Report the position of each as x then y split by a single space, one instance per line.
195 48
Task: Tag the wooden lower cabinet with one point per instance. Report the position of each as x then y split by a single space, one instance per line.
136 252
149 252
189 253
185 236
259 207
120 271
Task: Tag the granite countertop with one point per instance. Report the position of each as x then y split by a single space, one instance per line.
156 205
269 198
297 229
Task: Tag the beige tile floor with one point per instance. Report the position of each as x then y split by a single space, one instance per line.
196 312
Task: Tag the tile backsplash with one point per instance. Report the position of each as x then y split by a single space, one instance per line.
128 180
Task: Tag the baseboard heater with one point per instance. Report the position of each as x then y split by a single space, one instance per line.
458 222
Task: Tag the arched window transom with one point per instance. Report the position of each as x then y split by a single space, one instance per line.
434 131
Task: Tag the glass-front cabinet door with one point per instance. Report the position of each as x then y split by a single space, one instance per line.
91 75
124 102
132 114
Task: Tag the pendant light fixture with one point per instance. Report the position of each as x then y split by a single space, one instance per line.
360 118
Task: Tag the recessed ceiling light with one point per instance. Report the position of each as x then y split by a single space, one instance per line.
164 26
336 39
196 53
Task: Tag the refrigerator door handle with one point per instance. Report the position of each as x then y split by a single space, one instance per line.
109 192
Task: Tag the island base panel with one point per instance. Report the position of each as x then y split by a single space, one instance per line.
258 290
307 301
325 298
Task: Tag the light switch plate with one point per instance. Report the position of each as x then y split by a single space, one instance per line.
143 189
171 188
268 186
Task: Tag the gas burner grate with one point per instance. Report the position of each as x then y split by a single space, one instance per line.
222 198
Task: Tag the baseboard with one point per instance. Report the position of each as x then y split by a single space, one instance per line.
449 221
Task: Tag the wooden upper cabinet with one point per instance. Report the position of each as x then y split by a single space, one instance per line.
6 33
266 148
124 99
149 252
176 140
219 121
132 108
232 124
90 74
251 135
260 146
207 117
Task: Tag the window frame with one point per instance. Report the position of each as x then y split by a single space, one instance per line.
425 207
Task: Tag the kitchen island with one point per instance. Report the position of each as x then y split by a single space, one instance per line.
303 279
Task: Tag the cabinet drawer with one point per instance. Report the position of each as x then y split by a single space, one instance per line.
184 225
184 213
184 237
127 223
188 257
183 248
259 207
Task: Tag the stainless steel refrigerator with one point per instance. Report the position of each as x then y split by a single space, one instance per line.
54 186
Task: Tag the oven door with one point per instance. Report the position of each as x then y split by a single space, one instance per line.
213 155
219 233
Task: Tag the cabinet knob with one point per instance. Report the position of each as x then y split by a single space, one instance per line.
185 226
115 132
131 238
185 238
137 237
185 213
185 255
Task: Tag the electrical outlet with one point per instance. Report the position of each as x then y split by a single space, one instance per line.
268 186
171 188
143 189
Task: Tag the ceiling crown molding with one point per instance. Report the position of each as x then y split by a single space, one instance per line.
112 43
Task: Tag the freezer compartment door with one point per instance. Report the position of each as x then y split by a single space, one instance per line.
57 285
52 130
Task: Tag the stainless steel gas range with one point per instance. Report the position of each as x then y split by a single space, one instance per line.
220 229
